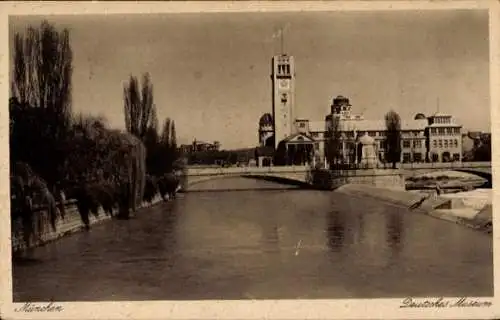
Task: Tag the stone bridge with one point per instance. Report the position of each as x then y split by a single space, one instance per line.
301 175
293 175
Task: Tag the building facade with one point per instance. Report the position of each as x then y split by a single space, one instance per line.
444 139
199 146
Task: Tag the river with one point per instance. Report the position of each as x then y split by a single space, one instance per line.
262 241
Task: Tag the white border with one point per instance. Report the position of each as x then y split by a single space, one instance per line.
217 309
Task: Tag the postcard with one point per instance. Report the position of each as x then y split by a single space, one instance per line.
249 160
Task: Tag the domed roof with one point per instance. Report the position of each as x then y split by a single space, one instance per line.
340 99
366 140
266 120
420 116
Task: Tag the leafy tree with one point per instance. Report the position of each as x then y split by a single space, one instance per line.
333 142
393 139
40 108
482 148
140 113
281 155
141 119
98 154
151 142
173 136
168 146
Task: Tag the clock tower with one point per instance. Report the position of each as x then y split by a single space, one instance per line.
283 87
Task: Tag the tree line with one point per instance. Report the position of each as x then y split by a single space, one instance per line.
141 121
56 154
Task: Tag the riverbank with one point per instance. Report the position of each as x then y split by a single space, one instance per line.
72 223
457 208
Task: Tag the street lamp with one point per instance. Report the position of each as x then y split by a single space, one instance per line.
355 135
411 152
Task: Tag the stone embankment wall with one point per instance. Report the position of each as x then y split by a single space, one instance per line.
434 206
71 223
386 178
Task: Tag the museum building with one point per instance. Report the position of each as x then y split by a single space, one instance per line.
436 138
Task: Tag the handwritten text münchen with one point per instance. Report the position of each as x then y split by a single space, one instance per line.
38 307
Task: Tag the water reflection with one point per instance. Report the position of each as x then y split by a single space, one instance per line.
394 231
270 237
361 228
335 231
169 237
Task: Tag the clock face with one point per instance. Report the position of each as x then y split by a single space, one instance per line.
284 84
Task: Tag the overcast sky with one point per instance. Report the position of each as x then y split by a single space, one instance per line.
211 71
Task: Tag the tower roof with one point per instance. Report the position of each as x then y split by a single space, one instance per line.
341 100
420 116
266 120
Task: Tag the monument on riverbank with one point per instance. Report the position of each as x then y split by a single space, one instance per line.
369 158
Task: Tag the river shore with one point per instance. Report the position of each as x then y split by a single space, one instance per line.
71 224
472 209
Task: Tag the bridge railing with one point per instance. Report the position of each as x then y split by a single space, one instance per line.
445 165
244 170
211 171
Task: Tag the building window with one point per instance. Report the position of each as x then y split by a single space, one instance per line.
417 157
406 144
372 133
417 144
406 157
314 134
457 130
302 125
440 143
434 143
455 143
456 157
448 131
381 144
446 143
441 131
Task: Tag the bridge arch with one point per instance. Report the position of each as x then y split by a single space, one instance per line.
293 175
484 173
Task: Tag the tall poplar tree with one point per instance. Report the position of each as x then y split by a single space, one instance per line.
393 139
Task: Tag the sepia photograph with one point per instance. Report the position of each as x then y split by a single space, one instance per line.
250 155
